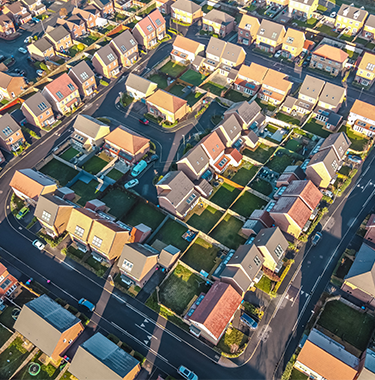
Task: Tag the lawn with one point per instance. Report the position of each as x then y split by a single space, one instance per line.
97 266
172 69
115 174
235 96
192 98
12 358
119 202
232 341
214 88
144 213
86 191
69 154
177 90
327 30
260 154
310 23
262 186
227 232
201 255
358 142
361 41
225 196
192 77
171 233
4 335
313 127
160 80
288 119
345 170
247 204
179 289
294 145
346 37
59 171
279 163
94 165
205 221
245 174
348 324
265 284
297 375
206 8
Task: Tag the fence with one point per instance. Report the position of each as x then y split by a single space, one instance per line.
277 122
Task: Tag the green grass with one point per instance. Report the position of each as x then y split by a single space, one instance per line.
177 90
245 174
310 23
232 340
346 37
227 232
192 77
192 98
59 171
358 142
261 154
4 335
69 154
160 80
144 213
313 127
327 30
214 88
322 8
205 221
201 255
247 204
345 170
94 165
119 202
66 376
297 375
370 45
179 289
172 69
86 191
280 163
348 324
6 317
294 144
361 41
206 8
97 266
225 196
265 284
288 119
235 96
16 355
115 174
171 233
262 186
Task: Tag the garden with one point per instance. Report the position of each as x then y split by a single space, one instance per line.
115 174
193 97
261 154
177 90
245 174
214 88
317 129
235 96
12 358
225 195
94 165
69 154
206 220
59 171
359 142
247 203
172 69
280 161
85 191
326 29
294 145
232 342
160 80
171 233
262 186
119 202
5 334
227 232
192 77
287 118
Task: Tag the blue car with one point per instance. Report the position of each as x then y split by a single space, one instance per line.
87 304
250 322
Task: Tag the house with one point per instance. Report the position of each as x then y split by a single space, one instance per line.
167 106
164 6
11 86
362 118
106 7
293 43
308 95
367 365
250 78
247 30
185 50
17 12
84 78
168 256
63 94
248 114
177 193
275 87
218 22
8 283
100 358
291 173
295 206
350 19
368 30
270 36
88 133
370 230
330 59
195 163
186 11
332 97
129 146
126 48
38 111
105 62
48 326
6 26
216 310
75 25
303 8
35 7
138 262
150 29
242 269
138 87
59 37
53 214
339 142
323 358
91 18
360 280
11 136
41 49
229 131
365 74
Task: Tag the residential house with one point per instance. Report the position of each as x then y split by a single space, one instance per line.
330 59
41 49
293 43
350 19
365 74
35 7
278 3
17 12
367 365
88 133
8 283
150 30
59 37
248 114
6 26
75 25
48 326
11 136
368 30
309 94
250 78
164 6
186 11
63 94
126 48
195 163
339 142
247 30
90 18
275 87
11 86
100 358
185 50
331 98
167 106
229 131
216 310
243 268
106 7
138 262
218 22
270 36
53 214
323 358
38 111
295 206
105 62
84 78
291 173
129 146
362 118
168 256
303 8
138 87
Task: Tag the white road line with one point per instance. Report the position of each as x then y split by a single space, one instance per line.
149 333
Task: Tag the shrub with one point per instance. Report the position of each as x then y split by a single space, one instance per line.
43 66
152 146
52 242
103 83
50 369
187 148
104 120
81 47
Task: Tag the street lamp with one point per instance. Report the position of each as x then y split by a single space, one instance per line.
183 141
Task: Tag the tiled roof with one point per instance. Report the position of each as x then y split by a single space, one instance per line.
253 72
277 80
306 190
166 101
367 62
35 104
63 85
363 109
218 17
186 6
271 30
332 53
127 139
186 44
294 38
351 12
311 87
213 145
8 126
332 94
249 23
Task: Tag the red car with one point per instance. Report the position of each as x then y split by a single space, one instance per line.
144 121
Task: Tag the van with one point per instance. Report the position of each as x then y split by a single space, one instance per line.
138 169
248 321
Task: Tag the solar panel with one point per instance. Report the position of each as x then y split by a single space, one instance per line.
42 106
71 87
59 95
7 131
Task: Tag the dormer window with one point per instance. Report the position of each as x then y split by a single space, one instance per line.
274 35
356 15
248 26
262 31
289 40
345 11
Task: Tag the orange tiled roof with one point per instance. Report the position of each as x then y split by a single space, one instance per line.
276 79
126 139
254 71
60 84
363 109
331 53
186 44
213 145
166 101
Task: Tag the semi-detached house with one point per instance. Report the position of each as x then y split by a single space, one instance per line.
105 62
362 118
185 50
247 30
84 78
365 74
275 87
11 136
303 8
186 11
218 22
368 30
350 19
75 25
139 88
38 111
41 49
250 78
59 37
126 48
270 36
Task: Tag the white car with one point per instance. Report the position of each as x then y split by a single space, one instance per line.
277 54
38 244
186 373
28 40
40 73
333 14
132 183
22 50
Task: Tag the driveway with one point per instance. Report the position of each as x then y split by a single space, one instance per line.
150 286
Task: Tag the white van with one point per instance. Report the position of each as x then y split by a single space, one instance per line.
138 169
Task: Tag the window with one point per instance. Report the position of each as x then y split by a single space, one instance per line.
7 131
70 341
279 251
127 265
97 241
150 28
132 42
84 76
223 162
191 198
71 87
64 340
289 40
42 106
79 231
59 95
257 261
158 22
123 48
111 57
274 35
46 216
262 31
248 26
370 66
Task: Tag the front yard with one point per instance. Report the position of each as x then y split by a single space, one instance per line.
225 196
59 171
247 203
262 186
119 202
232 342
206 220
86 191
193 77
214 88
144 213
172 69
313 127
245 174
359 142
171 233
94 165
261 154
227 232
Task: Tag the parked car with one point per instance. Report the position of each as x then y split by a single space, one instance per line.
22 50
248 321
333 14
317 237
28 40
144 121
186 373
277 54
132 183
36 20
38 244
87 304
355 159
40 73
153 158
138 169
22 212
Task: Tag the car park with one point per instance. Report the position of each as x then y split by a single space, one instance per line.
22 50
22 212
87 304
38 244
186 373
317 237
132 183
248 321
144 121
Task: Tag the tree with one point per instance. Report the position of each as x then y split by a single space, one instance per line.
63 12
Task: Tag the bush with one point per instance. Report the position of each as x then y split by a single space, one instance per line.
202 110
52 242
152 146
81 47
103 83
187 148
104 120
50 369
43 66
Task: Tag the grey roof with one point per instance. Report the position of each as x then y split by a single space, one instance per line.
253 225
75 19
215 47
37 177
43 44
289 101
51 204
296 170
251 135
203 186
106 54
339 141
88 125
238 276
186 6
100 358
168 254
219 17
6 121
82 72
58 33
245 110
37 103
328 158
311 87
305 2
271 238
42 321
270 30
368 371
334 118
332 94
370 21
231 52
231 126
29 2
197 158
124 41
353 13
138 83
